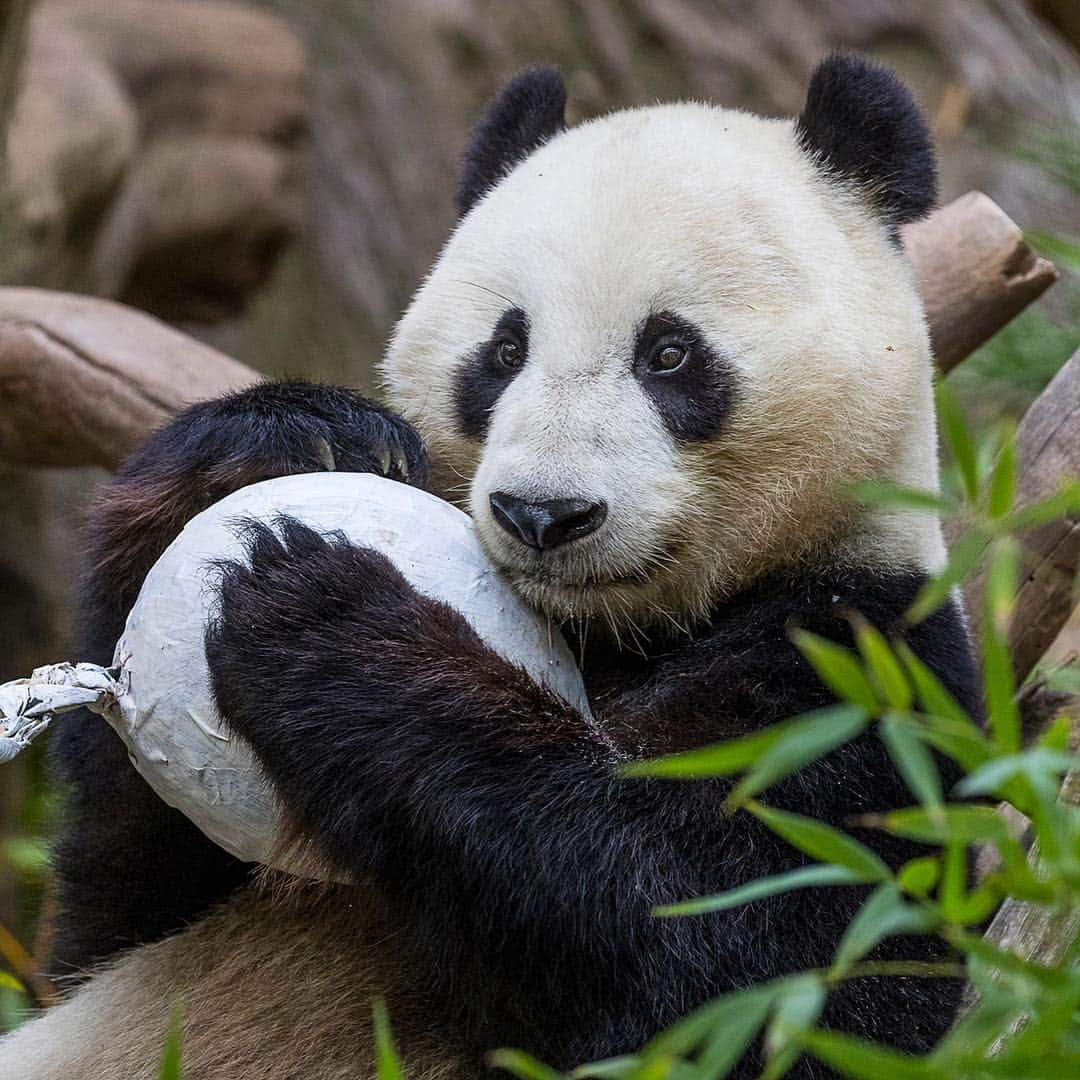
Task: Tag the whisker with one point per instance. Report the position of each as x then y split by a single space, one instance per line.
493 292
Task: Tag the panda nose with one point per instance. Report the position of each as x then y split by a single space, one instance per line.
548 523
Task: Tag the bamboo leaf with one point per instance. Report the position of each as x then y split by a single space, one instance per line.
918 876
685 1036
879 657
729 1026
993 775
1064 503
617 1067
797 1010
868 1061
812 737
822 842
963 558
838 669
958 438
967 824
884 914
720 759
729 1040
523 1065
169 1067
804 877
913 761
884 493
387 1062
1003 477
933 697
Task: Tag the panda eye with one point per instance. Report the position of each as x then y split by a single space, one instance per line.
509 354
668 357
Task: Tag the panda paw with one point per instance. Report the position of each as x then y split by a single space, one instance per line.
306 616
281 428
212 449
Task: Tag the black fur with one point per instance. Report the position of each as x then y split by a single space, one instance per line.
695 400
529 110
861 126
521 872
481 379
129 868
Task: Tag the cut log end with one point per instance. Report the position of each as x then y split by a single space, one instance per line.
975 273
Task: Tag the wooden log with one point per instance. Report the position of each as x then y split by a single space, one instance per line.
83 381
1048 441
974 273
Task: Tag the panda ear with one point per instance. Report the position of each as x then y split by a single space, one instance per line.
860 125
527 112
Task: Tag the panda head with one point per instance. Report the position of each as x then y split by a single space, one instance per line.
659 345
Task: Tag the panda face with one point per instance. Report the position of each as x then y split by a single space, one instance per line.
650 357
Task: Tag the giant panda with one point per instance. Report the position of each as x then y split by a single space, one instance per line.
650 358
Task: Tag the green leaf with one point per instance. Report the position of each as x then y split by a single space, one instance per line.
963 558
797 1010
913 761
933 697
27 856
822 842
838 669
169 1067
958 438
807 739
733 1026
954 873
884 914
1056 736
720 759
524 1065
9 982
967 824
918 876
1001 581
886 669
993 775
600 1070
884 493
1003 478
802 878
1063 250
999 688
868 1061
387 1062
962 742
684 1037
1062 504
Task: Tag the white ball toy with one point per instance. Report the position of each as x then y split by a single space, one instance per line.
157 695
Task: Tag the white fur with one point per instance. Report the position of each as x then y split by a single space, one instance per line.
717 216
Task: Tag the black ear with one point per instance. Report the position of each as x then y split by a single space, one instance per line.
860 125
528 111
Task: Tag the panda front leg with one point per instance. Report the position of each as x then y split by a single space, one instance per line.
521 872
129 868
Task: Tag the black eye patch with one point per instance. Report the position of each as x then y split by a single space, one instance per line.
488 370
691 385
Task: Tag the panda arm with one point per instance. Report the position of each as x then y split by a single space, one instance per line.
522 873
129 868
